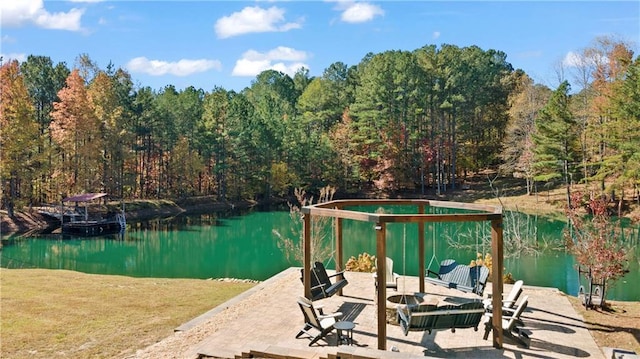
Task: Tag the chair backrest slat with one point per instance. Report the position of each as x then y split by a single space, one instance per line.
431 317
515 292
389 270
460 276
516 315
309 312
321 274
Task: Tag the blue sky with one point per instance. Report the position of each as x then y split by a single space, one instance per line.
226 43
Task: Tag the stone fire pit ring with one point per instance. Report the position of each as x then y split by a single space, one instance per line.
400 300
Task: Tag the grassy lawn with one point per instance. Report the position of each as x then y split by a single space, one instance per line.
59 313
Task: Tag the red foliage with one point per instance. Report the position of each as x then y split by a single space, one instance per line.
594 239
428 152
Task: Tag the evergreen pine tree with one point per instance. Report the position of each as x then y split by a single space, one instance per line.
556 139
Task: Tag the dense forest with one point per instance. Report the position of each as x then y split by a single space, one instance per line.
417 121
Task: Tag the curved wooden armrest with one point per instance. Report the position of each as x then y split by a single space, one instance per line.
508 311
319 286
332 315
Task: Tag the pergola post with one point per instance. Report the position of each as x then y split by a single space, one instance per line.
306 265
497 252
421 264
339 251
381 254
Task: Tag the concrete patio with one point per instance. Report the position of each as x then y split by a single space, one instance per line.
264 321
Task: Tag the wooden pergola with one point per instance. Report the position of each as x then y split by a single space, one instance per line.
477 213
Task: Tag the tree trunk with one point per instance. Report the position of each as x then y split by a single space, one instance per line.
620 204
567 182
10 200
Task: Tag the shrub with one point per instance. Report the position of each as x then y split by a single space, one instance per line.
364 263
594 239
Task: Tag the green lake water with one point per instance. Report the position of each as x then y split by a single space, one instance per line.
244 246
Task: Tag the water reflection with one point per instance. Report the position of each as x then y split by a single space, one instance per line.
243 246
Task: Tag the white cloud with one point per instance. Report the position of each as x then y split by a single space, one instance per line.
284 59
289 69
572 59
183 67
9 57
18 13
361 12
60 20
245 67
435 35
254 19
357 12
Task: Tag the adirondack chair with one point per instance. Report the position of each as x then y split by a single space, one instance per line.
321 286
510 300
512 325
321 323
390 278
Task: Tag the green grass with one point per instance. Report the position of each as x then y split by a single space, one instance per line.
58 313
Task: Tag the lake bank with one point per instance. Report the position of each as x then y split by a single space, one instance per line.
482 188
139 210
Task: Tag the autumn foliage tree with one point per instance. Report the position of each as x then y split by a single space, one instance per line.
616 131
626 127
594 239
108 112
75 128
18 135
518 155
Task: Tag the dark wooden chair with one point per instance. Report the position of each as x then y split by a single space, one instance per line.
321 285
428 317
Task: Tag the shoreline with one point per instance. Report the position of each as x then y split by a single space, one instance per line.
481 188
26 222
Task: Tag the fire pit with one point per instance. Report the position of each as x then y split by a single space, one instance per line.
397 300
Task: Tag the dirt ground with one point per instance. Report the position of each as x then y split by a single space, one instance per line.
616 326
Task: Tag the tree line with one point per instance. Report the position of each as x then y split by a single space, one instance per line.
418 120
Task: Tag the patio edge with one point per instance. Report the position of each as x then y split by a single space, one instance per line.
238 298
